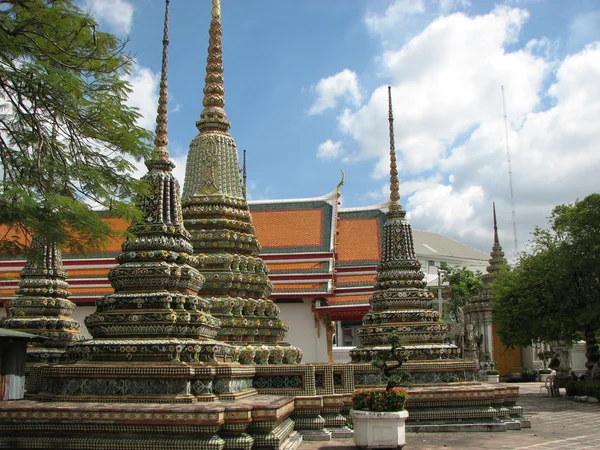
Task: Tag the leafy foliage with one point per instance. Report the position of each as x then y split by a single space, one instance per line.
553 294
590 388
463 286
66 134
379 400
390 363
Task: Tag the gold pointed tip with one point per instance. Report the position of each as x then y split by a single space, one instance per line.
216 9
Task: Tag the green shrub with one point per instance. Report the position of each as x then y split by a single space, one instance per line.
379 400
591 388
400 379
529 374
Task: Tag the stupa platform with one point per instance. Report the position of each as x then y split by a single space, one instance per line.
261 421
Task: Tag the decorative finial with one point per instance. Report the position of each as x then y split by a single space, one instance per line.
496 241
244 176
394 183
213 117
216 8
161 153
340 184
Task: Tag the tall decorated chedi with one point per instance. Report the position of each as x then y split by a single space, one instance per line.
217 215
479 310
41 305
155 313
401 302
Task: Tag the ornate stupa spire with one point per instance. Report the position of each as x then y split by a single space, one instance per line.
401 302
155 313
394 183
217 215
213 117
244 176
496 262
41 306
161 153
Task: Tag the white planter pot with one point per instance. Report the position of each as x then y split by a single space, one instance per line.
493 378
379 429
544 377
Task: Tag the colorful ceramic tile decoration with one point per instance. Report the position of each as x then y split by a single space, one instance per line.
41 305
217 216
189 352
155 313
401 302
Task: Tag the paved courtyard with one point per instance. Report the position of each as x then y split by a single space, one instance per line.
556 423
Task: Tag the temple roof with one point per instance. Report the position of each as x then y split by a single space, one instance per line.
298 237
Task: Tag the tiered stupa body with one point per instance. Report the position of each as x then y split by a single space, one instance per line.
217 215
401 302
41 306
155 313
479 310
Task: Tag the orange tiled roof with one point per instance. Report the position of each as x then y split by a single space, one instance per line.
291 267
300 287
349 299
355 279
289 228
113 244
358 240
91 290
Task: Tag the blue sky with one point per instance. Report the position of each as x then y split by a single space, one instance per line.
305 85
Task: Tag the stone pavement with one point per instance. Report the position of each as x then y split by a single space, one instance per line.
556 423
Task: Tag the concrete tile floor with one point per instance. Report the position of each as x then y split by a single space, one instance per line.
556 423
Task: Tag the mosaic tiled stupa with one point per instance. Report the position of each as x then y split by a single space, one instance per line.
41 305
401 302
155 313
217 216
479 310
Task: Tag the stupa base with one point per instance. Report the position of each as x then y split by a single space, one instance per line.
132 382
260 421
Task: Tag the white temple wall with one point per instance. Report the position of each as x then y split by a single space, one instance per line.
79 314
303 333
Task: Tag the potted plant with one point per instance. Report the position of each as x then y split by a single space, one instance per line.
529 374
378 415
493 376
545 357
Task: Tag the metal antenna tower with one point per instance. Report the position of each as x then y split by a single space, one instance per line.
512 196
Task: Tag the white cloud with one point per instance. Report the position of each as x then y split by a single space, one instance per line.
394 15
116 14
446 82
144 96
329 90
330 149
453 211
449 126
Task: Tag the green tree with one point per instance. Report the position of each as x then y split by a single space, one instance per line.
553 293
66 134
463 286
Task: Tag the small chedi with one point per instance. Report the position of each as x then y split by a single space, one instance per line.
41 305
401 303
217 216
478 312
